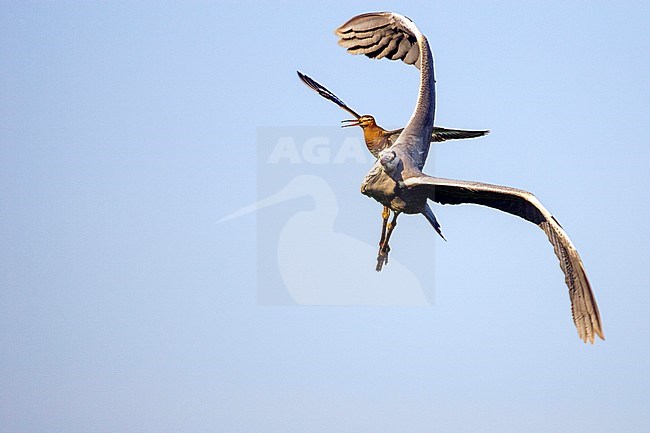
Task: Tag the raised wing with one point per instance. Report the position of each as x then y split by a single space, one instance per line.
378 35
396 37
525 205
321 90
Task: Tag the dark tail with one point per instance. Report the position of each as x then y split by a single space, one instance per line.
428 214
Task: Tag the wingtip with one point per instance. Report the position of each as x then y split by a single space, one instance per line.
338 32
303 77
591 336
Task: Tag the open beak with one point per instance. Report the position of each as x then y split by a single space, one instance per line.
350 122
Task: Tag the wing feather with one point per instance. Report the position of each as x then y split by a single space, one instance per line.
378 35
321 90
403 48
444 134
413 55
357 43
525 205
368 22
389 49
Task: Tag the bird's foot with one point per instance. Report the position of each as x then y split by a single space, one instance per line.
382 258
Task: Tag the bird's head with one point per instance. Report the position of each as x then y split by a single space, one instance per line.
389 160
364 121
392 165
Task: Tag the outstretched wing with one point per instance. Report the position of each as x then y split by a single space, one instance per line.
440 134
444 134
378 35
321 90
525 205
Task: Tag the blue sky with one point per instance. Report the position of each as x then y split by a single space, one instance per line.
127 130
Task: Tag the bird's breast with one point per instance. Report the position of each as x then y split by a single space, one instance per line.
380 186
375 140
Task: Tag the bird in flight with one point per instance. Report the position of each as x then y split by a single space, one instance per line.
378 139
396 179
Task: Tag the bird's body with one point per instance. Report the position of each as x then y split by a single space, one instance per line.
396 179
378 184
377 139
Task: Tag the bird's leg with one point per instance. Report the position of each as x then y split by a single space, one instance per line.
391 227
385 214
382 256
384 248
